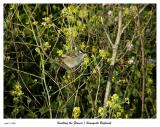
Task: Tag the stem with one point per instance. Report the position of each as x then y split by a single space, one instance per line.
114 53
46 88
41 59
142 67
99 75
19 71
108 37
134 17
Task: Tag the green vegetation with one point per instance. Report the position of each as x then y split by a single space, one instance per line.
117 78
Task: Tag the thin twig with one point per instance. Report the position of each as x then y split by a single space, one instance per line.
41 57
134 17
99 75
28 89
108 37
22 72
73 80
125 51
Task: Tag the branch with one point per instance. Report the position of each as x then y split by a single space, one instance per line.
108 37
134 17
141 39
114 53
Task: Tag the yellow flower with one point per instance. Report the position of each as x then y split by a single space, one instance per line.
67 46
94 50
76 112
115 97
102 53
82 45
113 79
35 23
121 82
101 111
118 114
46 46
47 19
108 104
86 60
38 50
109 60
60 52
94 71
17 90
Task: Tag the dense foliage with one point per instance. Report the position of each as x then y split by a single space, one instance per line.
120 46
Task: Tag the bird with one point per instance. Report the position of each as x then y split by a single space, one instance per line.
72 59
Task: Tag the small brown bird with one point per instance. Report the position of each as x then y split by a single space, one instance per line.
72 59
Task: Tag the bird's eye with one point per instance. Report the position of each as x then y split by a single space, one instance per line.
80 52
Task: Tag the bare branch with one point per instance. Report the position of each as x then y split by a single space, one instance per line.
141 39
108 37
115 47
134 17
